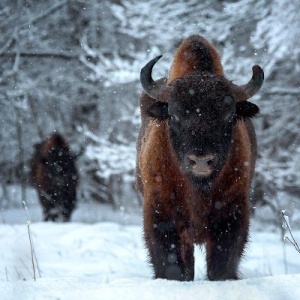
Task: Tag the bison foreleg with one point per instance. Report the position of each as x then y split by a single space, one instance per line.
171 250
225 245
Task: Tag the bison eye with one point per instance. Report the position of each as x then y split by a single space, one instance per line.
228 108
229 116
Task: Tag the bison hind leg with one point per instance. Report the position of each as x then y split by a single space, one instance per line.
51 215
66 217
66 214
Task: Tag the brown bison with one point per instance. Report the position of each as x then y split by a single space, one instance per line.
54 174
195 161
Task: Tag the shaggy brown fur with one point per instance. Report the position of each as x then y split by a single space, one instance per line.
55 177
177 213
195 53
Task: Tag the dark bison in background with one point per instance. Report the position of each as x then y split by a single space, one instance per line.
195 161
54 174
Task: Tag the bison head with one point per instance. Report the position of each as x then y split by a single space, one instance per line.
202 110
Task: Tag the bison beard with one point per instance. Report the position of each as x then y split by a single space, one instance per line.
195 162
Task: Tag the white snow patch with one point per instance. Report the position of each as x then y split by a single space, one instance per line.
108 261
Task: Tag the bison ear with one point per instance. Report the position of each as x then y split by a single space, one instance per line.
158 110
245 110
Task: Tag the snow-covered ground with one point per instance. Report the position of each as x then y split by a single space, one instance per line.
101 255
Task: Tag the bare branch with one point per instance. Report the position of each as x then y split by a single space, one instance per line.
10 42
51 55
39 17
44 14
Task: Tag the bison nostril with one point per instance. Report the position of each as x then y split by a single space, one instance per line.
210 162
201 164
200 160
192 162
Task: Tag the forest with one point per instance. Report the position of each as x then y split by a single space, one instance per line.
72 67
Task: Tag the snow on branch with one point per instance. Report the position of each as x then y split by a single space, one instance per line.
36 19
112 67
112 159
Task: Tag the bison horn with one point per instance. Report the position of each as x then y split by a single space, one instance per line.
151 87
255 83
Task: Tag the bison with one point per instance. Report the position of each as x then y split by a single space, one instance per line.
196 154
54 174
